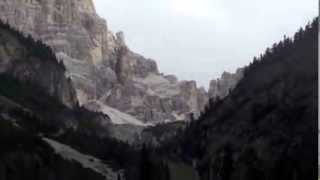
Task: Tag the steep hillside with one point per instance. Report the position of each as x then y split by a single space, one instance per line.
45 137
267 127
37 100
42 137
34 62
101 66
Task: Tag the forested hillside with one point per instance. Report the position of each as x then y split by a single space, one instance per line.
33 105
267 127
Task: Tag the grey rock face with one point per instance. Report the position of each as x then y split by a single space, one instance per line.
45 72
70 27
222 86
49 76
100 64
171 78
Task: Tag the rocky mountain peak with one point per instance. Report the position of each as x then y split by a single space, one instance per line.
101 66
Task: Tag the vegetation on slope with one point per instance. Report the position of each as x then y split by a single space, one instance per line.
267 127
28 110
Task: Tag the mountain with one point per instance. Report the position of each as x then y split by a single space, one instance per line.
31 61
221 87
43 136
266 128
37 106
86 107
101 66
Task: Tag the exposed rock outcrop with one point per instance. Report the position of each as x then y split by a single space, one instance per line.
33 62
222 86
100 64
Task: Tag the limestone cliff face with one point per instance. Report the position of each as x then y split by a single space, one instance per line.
24 59
222 86
100 64
71 28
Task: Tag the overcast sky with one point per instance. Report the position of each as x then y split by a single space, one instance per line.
199 39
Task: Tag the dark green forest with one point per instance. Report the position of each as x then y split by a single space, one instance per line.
265 129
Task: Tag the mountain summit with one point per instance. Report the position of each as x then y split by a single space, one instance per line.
101 66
